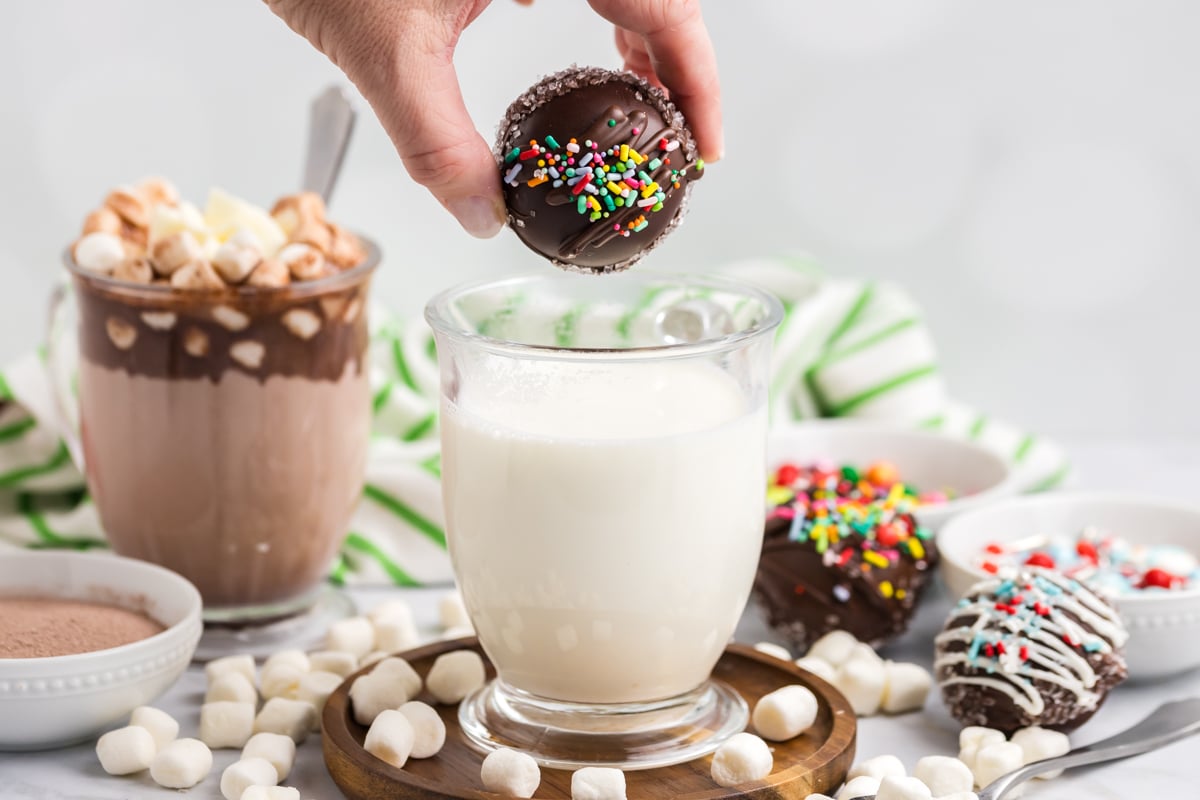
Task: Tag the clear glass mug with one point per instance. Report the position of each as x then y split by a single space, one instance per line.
223 434
603 467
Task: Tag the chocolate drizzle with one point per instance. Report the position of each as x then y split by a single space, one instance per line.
609 109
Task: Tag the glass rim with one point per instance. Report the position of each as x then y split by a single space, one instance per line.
438 316
297 289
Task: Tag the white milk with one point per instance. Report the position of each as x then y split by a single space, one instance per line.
605 522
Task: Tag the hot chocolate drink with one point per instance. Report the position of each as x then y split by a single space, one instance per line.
224 400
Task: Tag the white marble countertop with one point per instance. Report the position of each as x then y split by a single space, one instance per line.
1165 468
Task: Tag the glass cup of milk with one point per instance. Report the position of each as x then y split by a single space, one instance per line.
603 472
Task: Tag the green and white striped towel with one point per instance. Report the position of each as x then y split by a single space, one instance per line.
846 348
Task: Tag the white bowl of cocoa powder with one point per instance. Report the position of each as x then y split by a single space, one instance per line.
84 639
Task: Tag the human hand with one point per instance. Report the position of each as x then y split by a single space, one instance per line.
399 53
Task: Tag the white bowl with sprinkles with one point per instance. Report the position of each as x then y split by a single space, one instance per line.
1142 552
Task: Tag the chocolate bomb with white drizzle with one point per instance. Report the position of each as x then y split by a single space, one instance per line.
596 166
1033 648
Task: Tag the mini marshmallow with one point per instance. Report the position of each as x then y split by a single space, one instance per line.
895 788
226 724
390 738
241 775
315 688
996 759
861 681
181 764
879 767
122 334
195 343
833 648
862 786
395 634
455 675
270 793
905 687
294 718
773 650
159 320
235 261
345 250
862 652
156 190
231 686
126 750
342 664
281 680
129 205
303 323
398 670
785 713
230 318
134 270
297 659
269 274
172 252
390 610
510 773
972 738
162 726
197 276
819 667
944 775
99 252
105 220
303 261
1039 743
742 758
598 783
429 732
248 353
280 750
452 611
355 635
314 233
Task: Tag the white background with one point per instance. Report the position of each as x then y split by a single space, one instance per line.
1030 170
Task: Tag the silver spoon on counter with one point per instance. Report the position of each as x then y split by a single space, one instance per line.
1168 723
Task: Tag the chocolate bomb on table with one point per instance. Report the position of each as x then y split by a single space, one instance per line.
605 220
809 588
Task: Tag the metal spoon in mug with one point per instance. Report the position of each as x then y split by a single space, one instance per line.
330 123
1168 723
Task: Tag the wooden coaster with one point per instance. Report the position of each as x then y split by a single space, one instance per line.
814 762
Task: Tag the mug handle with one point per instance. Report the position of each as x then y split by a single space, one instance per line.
61 368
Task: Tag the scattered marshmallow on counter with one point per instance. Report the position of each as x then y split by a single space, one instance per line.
862 786
296 659
270 793
390 610
996 759
315 688
833 648
355 635
181 764
429 732
902 788
1038 744
225 724
280 750
774 650
742 758
455 675
868 682
598 783
905 687
973 738
127 750
390 738
862 683
162 726
243 664
879 767
232 687
293 718
339 663
281 680
453 612
395 635
241 775
510 773
785 713
944 775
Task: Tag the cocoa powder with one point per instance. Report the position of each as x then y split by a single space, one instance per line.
41 627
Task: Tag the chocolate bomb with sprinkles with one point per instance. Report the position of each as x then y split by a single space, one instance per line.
1032 648
596 166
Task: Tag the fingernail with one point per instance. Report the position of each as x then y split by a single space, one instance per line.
479 216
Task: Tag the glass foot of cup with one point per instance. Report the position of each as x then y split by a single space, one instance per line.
264 630
628 736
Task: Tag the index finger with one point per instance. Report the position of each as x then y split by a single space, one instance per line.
683 58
